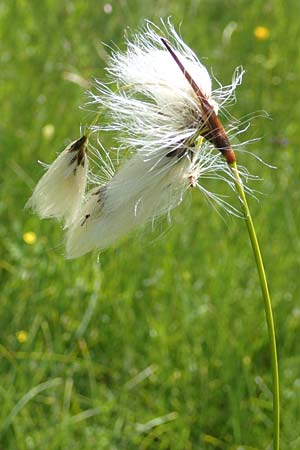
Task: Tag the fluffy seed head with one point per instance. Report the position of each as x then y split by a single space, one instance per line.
154 108
157 118
159 104
140 191
60 191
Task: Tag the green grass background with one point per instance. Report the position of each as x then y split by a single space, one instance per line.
162 342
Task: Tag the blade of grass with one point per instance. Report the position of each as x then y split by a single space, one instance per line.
27 397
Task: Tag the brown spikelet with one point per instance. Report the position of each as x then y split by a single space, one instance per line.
214 132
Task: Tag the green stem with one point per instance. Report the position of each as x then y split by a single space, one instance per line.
267 302
90 128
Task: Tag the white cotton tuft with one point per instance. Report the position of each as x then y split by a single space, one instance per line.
139 192
60 191
155 73
154 107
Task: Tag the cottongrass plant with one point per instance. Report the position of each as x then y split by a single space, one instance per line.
159 103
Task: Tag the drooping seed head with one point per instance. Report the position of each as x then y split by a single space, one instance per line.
59 193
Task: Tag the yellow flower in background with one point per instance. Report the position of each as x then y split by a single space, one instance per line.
261 33
48 131
29 237
22 336
247 360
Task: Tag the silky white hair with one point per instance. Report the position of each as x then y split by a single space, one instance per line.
154 108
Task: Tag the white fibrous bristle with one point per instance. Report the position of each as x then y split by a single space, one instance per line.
60 191
139 192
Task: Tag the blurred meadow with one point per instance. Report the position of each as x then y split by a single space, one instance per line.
161 342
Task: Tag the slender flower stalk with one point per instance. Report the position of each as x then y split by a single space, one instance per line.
267 303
